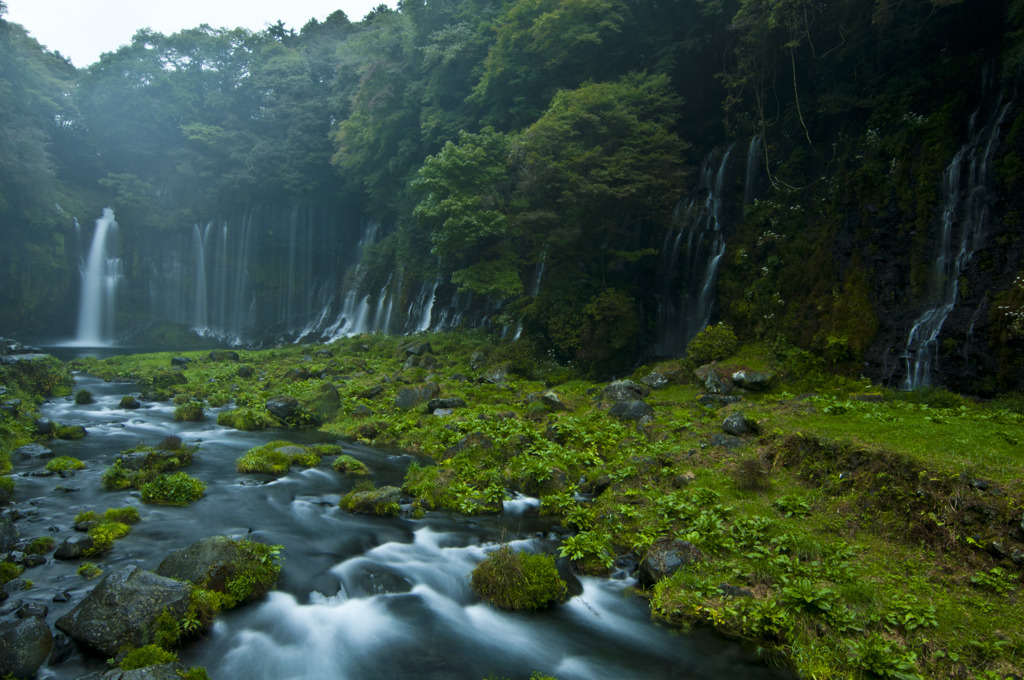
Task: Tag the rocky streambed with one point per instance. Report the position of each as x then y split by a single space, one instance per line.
357 596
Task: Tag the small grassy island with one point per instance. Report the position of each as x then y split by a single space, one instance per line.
843 529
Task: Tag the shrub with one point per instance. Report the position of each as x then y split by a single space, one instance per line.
64 463
518 581
6 485
191 411
68 431
176 489
104 534
714 343
84 397
276 457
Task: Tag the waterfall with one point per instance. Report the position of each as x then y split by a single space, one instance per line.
753 163
201 321
964 217
99 287
427 307
691 254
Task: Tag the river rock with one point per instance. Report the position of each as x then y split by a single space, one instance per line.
24 646
631 410
166 671
624 390
739 425
130 403
73 547
419 349
553 401
655 380
373 502
44 426
409 397
665 557
446 403
209 562
8 532
32 451
757 381
122 609
33 610
283 406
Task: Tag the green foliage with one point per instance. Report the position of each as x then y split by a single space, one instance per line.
83 397
104 533
88 570
349 465
173 489
125 515
713 343
64 464
191 411
881 658
276 457
245 418
995 580
40 545
518 581
147 655
257 574
9 571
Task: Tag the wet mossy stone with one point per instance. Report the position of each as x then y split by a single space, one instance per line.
129 402
739 425
631 410
32 452
757 381
447 402
384 501
123 608
665 557
164 671
284 407
24 646
623 390
517 581
408 397
74 547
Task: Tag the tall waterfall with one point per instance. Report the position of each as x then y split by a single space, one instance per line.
964 217
100 274
691 254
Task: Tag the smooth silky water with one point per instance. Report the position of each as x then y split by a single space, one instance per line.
359 597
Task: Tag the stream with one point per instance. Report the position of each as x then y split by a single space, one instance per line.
358 597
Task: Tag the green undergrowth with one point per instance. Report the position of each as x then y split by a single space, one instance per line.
142 465
277 457
860 533
104 529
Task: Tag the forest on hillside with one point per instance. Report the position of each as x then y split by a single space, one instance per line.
598 179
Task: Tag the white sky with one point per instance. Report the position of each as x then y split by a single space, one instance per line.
83 29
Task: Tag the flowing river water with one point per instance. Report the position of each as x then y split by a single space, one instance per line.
358 597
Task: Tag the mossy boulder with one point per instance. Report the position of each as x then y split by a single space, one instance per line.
383 501
243 570
123 608
518 581
24 646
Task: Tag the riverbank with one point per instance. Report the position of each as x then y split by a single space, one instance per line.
845 530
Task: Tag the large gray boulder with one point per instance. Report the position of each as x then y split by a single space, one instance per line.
624 390
32 451
209 562
24 646
665 557
74 547
739 425
123 608
757 381
284 407
409 397
631 410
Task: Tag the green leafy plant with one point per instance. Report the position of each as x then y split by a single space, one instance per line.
191 411
148 655
995 580
881 658
349 465
792 506
714 343
173 489
64 464
40 546
83 397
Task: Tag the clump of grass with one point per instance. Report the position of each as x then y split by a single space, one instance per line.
191 411
518 581
40 546
83 397
245 418
349 465
64 464
173 489
88 570
276 458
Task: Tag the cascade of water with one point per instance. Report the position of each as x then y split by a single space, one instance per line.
753 162
201 321
428 308
697 241
965 205
99 287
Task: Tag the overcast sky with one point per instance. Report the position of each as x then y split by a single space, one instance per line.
83 29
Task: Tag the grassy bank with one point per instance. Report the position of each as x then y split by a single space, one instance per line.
854 532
